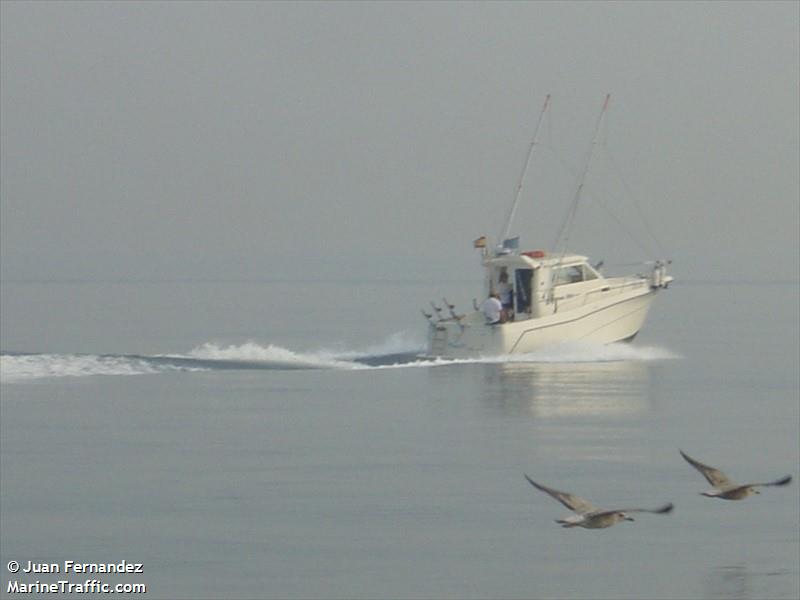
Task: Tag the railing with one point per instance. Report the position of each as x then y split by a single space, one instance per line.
613 289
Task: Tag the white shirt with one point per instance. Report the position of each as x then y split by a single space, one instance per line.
491 309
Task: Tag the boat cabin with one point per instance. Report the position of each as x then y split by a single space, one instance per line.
542 283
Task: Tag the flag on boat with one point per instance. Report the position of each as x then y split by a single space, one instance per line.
480 242
511 243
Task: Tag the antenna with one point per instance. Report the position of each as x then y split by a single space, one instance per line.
514 204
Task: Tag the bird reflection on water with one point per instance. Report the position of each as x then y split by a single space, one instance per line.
737 582
728 582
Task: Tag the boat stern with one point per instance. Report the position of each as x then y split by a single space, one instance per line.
462 337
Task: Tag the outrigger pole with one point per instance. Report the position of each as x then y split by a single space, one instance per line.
513 208
566 226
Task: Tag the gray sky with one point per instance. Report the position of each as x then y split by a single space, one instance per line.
256 140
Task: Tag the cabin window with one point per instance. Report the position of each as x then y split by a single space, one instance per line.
565 275
573 274
588 273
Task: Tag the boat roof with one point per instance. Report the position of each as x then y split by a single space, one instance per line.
533 259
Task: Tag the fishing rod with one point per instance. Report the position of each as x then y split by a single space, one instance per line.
512 211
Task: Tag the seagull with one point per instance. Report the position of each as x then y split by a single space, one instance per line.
589 516
726 489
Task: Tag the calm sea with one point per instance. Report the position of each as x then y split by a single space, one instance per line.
231 439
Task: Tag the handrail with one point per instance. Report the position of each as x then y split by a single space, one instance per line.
609 289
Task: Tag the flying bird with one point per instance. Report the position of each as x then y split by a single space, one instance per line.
587 515
726 489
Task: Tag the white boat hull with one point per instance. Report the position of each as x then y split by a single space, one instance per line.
613 318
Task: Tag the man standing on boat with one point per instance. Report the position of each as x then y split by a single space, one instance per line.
492 309
506 296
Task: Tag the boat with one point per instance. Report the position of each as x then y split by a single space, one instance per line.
552 296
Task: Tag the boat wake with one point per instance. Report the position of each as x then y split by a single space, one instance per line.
398 351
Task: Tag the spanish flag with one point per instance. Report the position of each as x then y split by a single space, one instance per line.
480 242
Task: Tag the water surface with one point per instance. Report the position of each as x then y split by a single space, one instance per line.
229 437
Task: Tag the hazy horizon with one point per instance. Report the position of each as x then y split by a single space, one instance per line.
164 141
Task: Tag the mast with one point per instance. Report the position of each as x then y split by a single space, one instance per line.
513 209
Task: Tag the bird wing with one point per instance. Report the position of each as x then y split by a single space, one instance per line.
714 476
782 481
572 502
661 510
